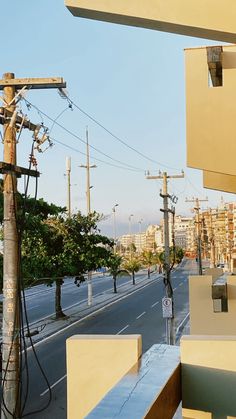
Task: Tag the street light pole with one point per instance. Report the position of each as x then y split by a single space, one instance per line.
68 171
88 167
114 225
130 218
140 223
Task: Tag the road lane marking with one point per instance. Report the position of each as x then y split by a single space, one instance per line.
58 332
157 302
53 385
30 308
175 289
122 330
181 324
142 314
180 284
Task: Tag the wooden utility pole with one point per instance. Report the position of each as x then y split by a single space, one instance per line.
198 230
68 171
11 403
88 167
168 301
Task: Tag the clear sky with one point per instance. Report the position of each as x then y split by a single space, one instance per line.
131 80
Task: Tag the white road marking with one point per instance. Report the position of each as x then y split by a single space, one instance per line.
142 314
122 330
58 332
180 284
157 302
174 289
30 308
183 321
53 385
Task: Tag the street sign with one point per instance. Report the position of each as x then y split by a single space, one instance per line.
167 308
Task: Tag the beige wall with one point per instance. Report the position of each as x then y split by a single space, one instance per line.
219 182
202 318
212 353
213 19
210 113
95 363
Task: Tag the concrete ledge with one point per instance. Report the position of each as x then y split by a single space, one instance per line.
150 390
201 18
95 363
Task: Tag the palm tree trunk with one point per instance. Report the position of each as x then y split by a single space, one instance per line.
114 283
58 308
133 276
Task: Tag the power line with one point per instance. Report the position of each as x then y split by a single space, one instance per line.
118 138
80 139
94 158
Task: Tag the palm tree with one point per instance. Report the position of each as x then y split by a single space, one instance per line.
114 265
132 266
147 259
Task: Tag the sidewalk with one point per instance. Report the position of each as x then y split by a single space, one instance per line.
48 326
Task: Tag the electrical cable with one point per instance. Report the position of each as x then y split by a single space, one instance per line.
80 139
25 308
118 138
94 158
56 119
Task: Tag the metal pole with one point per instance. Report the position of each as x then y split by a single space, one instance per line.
140 246
68 171
114 225
90 285
88 167
130 252
88 175
10 334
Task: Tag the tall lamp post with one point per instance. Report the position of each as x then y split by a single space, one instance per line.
114 225
140 223
130 219
68 172
88 166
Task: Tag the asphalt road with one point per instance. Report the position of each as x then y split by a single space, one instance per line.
140 312
40 300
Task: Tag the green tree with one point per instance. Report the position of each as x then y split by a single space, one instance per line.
65 247
132 266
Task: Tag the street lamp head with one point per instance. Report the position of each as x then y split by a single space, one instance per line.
114 208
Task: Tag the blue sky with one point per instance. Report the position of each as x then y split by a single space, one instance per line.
129 79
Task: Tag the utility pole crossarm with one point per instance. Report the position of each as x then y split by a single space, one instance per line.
34 83
154 177
18 170
19 120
